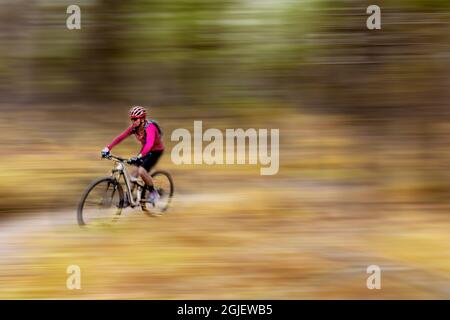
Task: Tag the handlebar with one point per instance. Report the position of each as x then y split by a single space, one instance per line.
112 157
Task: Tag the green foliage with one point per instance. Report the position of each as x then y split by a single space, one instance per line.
207 51
428 4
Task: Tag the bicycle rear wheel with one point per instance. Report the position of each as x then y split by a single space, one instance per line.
101 203
163 183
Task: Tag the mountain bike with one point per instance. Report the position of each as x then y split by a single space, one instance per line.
104 199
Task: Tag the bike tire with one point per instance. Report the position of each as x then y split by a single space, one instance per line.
91 187
169 194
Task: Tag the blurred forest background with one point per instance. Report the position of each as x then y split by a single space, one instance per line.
389 86
363 117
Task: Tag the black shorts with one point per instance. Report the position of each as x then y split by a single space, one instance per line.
151 159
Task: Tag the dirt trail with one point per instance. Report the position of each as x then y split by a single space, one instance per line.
230 245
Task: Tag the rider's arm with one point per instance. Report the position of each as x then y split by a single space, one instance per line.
119 138
151 132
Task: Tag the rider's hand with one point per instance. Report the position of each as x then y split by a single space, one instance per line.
105 152
137 161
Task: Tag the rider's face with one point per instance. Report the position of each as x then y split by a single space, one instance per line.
136 122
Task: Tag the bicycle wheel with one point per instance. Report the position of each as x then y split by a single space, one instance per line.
163 183
101 203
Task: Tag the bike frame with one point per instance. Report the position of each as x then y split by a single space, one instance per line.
120 170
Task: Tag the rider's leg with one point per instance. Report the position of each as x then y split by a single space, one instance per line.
143 173
150 161
134 171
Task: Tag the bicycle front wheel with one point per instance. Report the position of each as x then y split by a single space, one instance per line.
101 203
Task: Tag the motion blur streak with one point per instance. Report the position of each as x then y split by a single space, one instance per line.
364 125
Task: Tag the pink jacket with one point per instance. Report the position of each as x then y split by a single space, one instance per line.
150 139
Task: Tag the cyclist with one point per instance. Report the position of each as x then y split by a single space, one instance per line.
148 134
